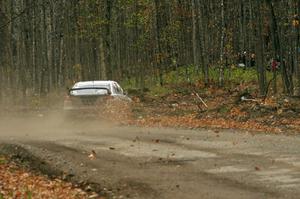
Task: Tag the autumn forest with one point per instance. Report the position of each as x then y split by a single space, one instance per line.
46 45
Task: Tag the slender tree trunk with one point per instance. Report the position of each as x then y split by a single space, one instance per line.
296 49
260 51
158 43
278 49
102 60
221 67
194 37
202 42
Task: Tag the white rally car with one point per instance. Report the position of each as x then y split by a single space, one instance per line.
90 96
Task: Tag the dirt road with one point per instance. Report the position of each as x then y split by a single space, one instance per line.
139 163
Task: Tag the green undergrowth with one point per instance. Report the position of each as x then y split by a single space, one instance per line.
182 79
189 74
2 160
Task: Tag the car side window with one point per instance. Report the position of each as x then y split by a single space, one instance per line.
120 89
117 89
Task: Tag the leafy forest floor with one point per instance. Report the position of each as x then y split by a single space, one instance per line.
193 106
19 182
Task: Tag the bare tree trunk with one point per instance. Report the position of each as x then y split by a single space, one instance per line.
296 49
202 43
260 50
158 43
194 39
102 60
278 49
221 66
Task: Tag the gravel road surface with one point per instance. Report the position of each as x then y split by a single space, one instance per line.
132 162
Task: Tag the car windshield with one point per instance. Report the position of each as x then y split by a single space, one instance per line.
89 91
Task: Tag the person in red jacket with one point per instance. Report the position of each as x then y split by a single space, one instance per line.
274 65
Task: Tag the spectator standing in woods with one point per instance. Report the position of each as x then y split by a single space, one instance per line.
274 64
252 60
242 59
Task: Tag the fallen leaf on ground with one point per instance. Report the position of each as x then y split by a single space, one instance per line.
92 155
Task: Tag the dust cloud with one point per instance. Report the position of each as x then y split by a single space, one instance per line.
48 124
